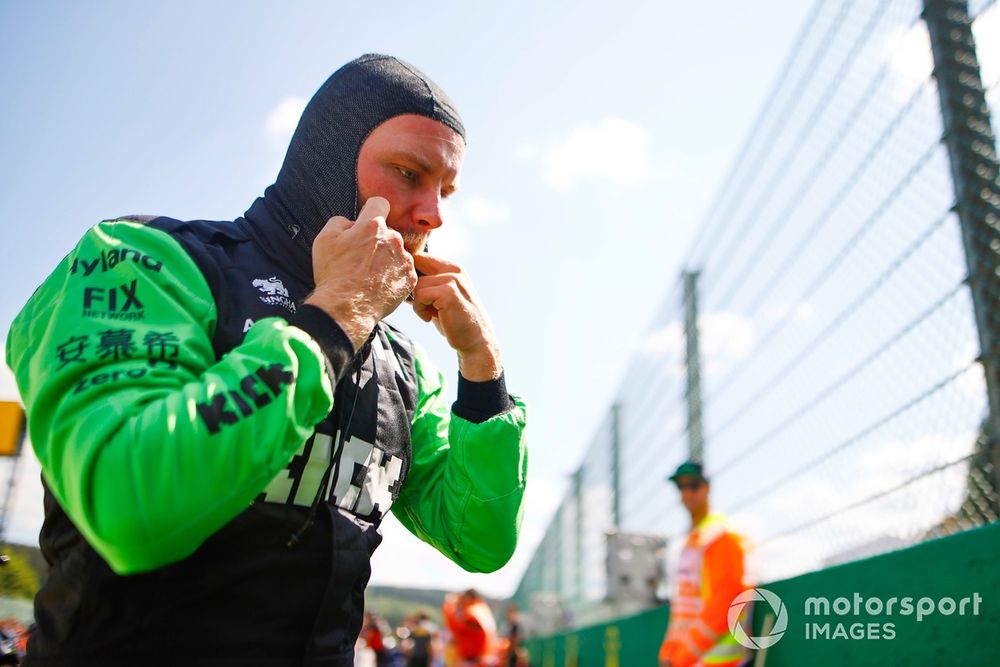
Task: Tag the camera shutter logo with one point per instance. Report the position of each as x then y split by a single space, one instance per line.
736 610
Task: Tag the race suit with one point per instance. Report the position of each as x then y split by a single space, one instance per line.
217 458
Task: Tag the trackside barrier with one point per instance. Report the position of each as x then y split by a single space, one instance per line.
945 610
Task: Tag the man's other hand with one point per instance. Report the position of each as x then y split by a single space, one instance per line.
361 269
444 295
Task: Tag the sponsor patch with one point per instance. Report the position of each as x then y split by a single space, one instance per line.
109 259
113 303
256 390
274 292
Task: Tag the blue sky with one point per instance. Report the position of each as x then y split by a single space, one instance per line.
598 134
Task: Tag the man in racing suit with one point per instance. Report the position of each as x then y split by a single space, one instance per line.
223 419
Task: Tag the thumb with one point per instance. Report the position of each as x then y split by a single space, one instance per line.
375 207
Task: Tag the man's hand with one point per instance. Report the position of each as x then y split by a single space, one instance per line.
444 295
361 269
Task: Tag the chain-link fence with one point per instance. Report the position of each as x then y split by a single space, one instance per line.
847 316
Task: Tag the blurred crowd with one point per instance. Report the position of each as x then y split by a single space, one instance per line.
470 637
13 639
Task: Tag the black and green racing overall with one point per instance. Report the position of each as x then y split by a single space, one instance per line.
217 459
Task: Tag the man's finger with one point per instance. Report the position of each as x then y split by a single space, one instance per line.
438 296
430 265
337 225
375 207
424 312
433 280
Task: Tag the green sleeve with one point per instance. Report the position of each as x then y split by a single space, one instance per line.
149 444
465 488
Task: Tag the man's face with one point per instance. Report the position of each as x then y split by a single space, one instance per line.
414 162
694 492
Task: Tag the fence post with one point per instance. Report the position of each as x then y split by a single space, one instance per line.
616 465
969 138
578 538
696 442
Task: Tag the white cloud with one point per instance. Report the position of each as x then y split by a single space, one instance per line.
8 388
724 338
404 560
481 211
283 119
986 30
802 313
451 240
525 150
883 524
805 312
612 150
26 511
908 52
666 341
973 381
402 554
898 460
543 498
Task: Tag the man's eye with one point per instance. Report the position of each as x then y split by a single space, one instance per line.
408 174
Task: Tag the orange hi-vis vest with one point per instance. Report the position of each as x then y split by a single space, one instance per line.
709 575
473 634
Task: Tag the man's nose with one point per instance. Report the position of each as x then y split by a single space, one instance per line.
428 212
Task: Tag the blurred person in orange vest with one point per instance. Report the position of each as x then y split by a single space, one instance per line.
709 575
473 630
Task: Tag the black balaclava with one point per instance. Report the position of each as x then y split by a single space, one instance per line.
318 178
